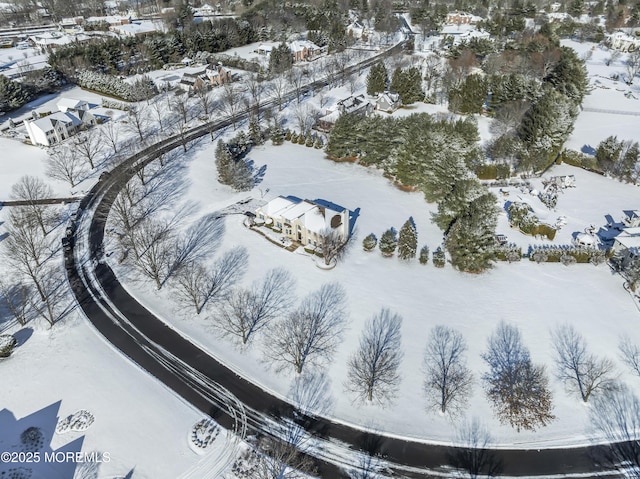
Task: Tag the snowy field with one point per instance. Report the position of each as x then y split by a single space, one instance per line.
612 107
534 297
55 373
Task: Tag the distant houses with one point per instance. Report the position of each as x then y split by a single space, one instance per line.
198 77
74 115
301 50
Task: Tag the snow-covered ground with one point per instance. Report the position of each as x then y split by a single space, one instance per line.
612 107
534 297
57 372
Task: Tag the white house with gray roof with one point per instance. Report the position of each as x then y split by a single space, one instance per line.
304 221
58 126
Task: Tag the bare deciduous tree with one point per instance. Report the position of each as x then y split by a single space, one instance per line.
138 121
65 164
580 370
89 146
632 65
152 242
256 88
448 379
373 369
278 88
33 190
517 389
249 310
309 334
333 245
473 452
54 301
232 99
204 99
306 116
199 286
15 296
296 81
26 249
310 393
630 354
111 133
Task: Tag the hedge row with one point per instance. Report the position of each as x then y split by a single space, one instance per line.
566 254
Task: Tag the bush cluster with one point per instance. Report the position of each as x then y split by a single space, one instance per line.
566 254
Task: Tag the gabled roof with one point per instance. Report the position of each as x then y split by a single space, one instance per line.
49 122
71 103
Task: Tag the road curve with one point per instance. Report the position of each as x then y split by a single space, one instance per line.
234 402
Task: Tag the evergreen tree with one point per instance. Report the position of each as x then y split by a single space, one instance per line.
439 259
370 242
224 163
293 137
377 79
388 242
287 135
255 132
408 240
281 59
277 137
424 255
471 239
470 96
318 144
308 140
408 84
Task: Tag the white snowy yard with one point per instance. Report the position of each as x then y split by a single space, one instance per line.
534 297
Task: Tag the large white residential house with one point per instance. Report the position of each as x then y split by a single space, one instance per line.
304 221
58 126
627 244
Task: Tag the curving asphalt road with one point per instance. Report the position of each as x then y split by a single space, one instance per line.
236 403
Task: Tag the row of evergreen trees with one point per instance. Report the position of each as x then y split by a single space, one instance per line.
405 82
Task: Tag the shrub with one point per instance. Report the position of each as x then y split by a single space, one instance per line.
542 229
539 256
424 255
439 259
495 171
567 260
370 242
7 343
509 253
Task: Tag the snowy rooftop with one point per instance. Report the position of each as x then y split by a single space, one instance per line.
46 123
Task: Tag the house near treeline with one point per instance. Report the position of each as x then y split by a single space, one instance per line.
627 245
388 101
57 127
357 105
304 221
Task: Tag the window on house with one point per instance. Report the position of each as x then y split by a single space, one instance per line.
309 241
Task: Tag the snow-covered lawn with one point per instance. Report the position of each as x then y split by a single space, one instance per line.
534 297
56 373
616 104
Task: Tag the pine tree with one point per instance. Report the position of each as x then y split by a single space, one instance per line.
309 140
224 163
287 135
277 137
424 255
377 79
318 144
294 137
408 84
439 259
370 242
388 242
281 59
408 240
471 239
255 133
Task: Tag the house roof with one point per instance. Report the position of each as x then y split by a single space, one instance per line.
314 215
48 122
70 103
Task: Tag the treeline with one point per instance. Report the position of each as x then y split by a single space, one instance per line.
14 94
132 55
436 157
325 23
532 87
